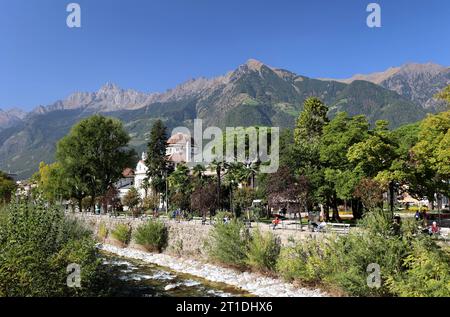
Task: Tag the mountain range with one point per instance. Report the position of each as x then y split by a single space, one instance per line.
252 94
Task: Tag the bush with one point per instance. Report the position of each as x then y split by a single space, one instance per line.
150 203
263 251
122 233
426 272
152 235
351 256
377 222
416 208
304 261
102 233
37 243
221 214
410 265
229 243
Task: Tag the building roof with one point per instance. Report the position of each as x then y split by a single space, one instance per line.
128 172
180 138
177 157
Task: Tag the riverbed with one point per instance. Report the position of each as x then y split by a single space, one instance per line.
243 283
141 279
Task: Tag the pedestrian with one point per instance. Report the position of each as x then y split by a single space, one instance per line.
276 222
417 215
434 229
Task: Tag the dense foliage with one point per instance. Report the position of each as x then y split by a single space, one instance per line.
229 243
410 265
153 236
122 233
93 156
263 251
37 243
156 160
7 187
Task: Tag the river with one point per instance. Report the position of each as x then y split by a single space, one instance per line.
139 279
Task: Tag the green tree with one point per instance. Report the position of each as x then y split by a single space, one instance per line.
311 120
199 172
156 161
219 167
243 199
431 154
377 157
132 200
51 182
302 156
94 154
340 178
204 199
180 184
7 187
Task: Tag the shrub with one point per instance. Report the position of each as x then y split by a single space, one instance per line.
37 243
263 251
377 222
303 261
152 235
350 257
221 214
102 233
343 261
426 272
122 233
410 265
229 243
150 203
132 200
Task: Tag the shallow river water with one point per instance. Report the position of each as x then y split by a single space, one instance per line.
139 279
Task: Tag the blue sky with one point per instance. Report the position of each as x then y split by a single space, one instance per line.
156 44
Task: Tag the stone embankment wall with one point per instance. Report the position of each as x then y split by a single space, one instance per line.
186 238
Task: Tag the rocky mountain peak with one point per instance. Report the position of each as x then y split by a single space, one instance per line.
415 68
108 88
254 64
10 117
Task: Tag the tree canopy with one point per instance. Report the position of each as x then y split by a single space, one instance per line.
93 155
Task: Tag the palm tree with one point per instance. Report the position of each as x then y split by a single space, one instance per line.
218 167
233 177
199 171
146 186
179 178
251 169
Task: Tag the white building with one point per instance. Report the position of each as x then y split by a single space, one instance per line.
180 149
140 175
124 184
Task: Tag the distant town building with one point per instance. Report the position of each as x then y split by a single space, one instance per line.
180 150
124 184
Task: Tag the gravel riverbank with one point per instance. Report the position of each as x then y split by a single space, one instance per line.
250 282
